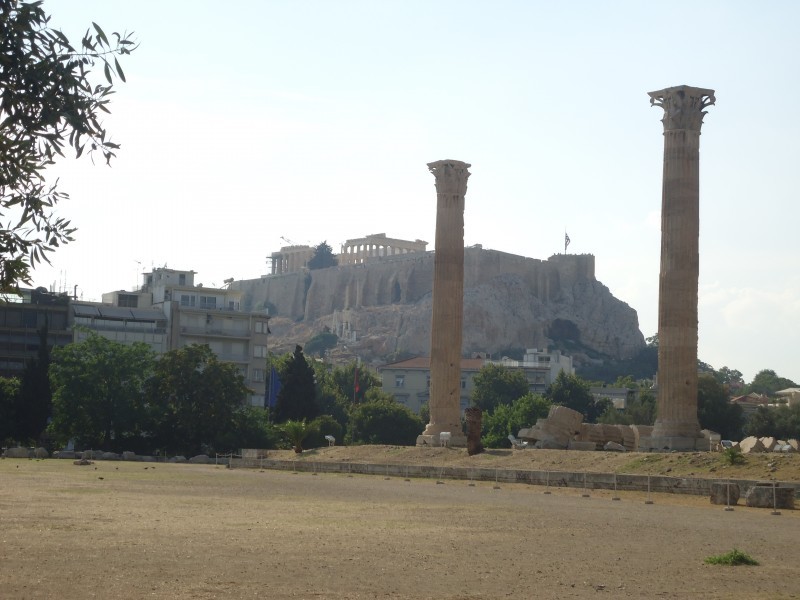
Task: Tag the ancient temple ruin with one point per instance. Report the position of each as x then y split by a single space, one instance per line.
677 426
376 245
448 304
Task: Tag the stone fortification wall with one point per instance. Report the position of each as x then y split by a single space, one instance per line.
510 301
287 291
405 279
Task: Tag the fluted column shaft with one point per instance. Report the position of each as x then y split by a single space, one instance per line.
676 414
448 300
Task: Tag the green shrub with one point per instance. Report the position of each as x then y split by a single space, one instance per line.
733 456
733 558
324 425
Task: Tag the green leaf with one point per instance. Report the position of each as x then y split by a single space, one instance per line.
107 71
100 34
119 70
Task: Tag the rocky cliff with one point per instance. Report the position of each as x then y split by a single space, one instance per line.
382 309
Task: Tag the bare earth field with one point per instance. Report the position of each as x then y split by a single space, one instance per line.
135 530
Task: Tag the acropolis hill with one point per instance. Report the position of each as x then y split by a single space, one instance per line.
381 308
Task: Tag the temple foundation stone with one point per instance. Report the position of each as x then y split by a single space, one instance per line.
676 426
448 304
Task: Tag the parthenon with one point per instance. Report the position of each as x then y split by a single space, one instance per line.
375 245
290 259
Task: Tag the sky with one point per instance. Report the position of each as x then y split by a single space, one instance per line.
248 124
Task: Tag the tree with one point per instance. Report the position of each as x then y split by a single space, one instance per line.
251 429
767 382
98 388
321 342
344 378
573 392
297 398
297 432
325 425
640 410
323 257
625 382
510 418
714 411
495 385
47 101
782 422
728 376
194 399
761 422
381 420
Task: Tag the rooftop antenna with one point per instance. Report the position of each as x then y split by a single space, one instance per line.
138 270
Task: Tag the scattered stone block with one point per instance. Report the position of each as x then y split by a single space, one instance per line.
611 433
200 459
565 418
751 444
768 443
584 446
769 496
725 493
549 445
525 434
41 453
613 447
19 452
794 444
639 432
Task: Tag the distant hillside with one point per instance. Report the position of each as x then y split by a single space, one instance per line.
381 309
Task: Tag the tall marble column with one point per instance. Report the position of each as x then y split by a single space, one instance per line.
676 426
448 303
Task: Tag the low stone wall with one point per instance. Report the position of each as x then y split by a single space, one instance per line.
566 479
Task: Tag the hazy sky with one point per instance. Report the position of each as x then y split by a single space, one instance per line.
243 123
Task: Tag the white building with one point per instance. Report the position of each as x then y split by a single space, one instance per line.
195 314
123 325
541 367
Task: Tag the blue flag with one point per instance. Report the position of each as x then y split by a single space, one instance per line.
274 388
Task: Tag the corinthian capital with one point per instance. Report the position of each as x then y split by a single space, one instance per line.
451 176
683 106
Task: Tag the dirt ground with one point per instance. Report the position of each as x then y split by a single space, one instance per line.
136 530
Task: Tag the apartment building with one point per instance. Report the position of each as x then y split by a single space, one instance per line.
196 314
409 380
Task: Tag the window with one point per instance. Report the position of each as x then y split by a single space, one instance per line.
128 300
258 375
399 381
29 319
260 351
463 384
182 279
262 327
187 300
208 302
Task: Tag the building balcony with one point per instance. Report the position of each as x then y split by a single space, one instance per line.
215 332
